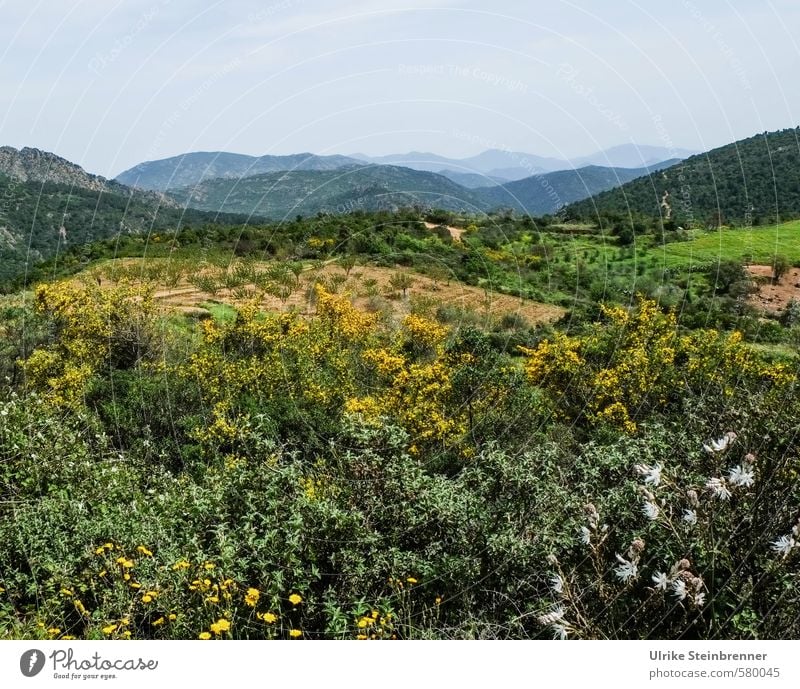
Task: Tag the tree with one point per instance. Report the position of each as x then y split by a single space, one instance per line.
780 266
401 281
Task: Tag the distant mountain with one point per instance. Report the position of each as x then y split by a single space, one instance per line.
633 156
472 180
192 168
514 165
754 180
386 187
547 193
279 195
50 204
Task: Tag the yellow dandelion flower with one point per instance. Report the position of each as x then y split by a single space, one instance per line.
108 546
295 633
209 566
135 585
374 614
205 636
251 598
212 599
124 622
99 551
438 600
172 617
126 576
183 564
110 629
147 599
221 625
295 599
54 631
159 622
126 634
67 592
411 580
68 637
269 618
80 607
144 551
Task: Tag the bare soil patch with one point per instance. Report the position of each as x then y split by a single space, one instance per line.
774 297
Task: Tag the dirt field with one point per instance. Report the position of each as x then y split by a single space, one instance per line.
369 289
774 298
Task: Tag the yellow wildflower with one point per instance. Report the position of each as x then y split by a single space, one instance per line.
268 617
411 580
54 631
295 633
172 617
147 599
144 551
205 636
67 592
221 625
212 599
251 598
183 564
158 622
110 629
295 599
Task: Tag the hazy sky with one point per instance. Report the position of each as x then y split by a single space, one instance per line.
110 84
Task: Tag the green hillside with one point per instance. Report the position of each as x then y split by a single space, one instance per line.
749 182
33 213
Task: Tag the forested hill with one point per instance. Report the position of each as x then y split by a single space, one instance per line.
755 180
33 213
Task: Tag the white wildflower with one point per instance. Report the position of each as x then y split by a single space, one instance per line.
784 545
718 488
652 475
650 510
679 589
660 580
690 517
742 475
699 599
552 617
722 444
586 535
557 583
560 631
627 570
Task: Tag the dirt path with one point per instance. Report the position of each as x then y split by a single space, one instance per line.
774 298
455 232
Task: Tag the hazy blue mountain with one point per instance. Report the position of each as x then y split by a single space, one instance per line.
633 156
306 192
192 168
547 193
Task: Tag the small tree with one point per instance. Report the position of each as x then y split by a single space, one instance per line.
401 281
780 266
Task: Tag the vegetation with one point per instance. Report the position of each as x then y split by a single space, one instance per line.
749 182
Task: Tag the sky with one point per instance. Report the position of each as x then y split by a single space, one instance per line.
111 83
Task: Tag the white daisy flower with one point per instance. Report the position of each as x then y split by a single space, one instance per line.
660 580
652 475
718 488
650 510
690 517
626 571
722 444
679 589
784 545
742 475
552 617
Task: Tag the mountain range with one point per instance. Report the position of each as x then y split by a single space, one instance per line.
279 195
490 167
